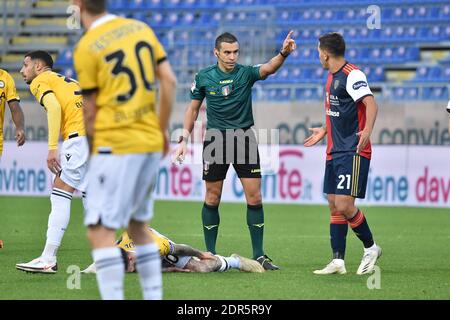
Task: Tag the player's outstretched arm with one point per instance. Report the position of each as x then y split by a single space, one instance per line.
275 63
317 134
371 115
167 84
174 269
190 116
187 250
19 122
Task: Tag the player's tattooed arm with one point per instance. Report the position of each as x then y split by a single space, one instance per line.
186 250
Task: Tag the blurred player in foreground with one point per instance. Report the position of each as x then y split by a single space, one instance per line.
118 62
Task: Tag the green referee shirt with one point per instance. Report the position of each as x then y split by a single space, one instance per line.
228 95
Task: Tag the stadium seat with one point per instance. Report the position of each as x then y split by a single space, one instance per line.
307 94
64 58
412 93
155 20
140 15
444 13
283 94
378 74
435 33
69 72
436 93
116 5
434 74
137 4
197 22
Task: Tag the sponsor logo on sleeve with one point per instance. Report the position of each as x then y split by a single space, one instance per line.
359 84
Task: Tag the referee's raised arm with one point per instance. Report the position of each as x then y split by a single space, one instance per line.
275 63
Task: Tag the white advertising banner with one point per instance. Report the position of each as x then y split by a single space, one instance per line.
399 175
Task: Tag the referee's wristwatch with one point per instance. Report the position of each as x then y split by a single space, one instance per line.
182 138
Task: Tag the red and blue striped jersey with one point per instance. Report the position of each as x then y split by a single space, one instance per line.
345 112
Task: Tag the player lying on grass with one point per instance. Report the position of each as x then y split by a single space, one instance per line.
183 258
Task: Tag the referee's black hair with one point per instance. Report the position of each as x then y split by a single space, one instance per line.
41 55
225 37
333 43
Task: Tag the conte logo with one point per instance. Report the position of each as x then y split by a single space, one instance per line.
359 84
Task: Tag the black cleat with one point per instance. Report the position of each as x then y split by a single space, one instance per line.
267 264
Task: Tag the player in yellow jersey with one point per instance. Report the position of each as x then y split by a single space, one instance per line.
61 98
8 94
183 258
117 62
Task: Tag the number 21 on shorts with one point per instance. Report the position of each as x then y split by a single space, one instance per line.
342 181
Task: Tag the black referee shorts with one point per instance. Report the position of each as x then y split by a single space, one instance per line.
238 147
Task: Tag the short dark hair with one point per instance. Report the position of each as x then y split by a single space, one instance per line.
95 6
333 43
225 37
41 55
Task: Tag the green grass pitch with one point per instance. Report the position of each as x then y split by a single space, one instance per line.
414 264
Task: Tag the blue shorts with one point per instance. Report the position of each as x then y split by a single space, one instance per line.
346 174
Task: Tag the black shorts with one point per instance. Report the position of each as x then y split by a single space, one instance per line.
347 175
233 146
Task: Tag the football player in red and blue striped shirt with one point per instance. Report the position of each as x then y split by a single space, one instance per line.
350 116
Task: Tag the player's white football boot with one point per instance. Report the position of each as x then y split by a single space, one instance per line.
369 259
336 266
248 265
90 269
39 265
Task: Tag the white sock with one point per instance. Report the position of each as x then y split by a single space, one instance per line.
110 272
373 247
233 262
58 221
339 262
148 265
224 264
